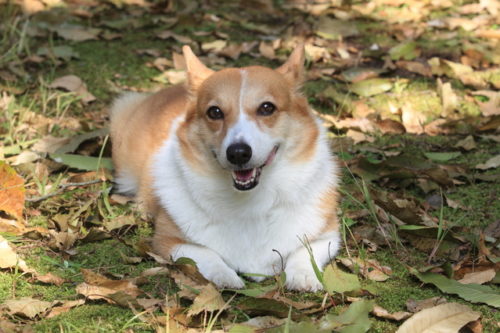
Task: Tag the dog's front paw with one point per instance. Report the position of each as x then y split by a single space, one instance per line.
223 277
303 279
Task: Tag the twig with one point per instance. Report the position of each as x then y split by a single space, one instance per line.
61 188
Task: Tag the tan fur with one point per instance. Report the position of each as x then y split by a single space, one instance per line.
137 133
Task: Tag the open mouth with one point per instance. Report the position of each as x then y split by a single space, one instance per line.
247 179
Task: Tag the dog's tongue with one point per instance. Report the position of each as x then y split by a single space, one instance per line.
243 175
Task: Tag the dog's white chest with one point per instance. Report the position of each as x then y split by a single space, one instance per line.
252 232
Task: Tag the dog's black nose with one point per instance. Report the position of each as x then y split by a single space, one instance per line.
239 153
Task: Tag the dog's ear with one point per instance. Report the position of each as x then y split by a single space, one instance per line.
197 72
293 68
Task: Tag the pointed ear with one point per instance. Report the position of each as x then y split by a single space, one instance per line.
293 68
197 72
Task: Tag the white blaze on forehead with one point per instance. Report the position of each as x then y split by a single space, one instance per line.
243 88
242 130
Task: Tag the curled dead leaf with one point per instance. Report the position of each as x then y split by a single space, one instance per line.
74 84
380 312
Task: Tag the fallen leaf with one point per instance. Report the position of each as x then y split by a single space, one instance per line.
24 157
371 87
449 100
474 293
49 144
97 286
50 278
77 33
380 312
209 299
74 84
356 74
170 34
415 67
12 192
336 280
359 137
478 277
416 306
330 28
63 52
8 257
467 144
214 46
87 163
405 51
267 50
442 156
354 319
412 119
65 307
492 106
492 163
370 268
448 317
27 307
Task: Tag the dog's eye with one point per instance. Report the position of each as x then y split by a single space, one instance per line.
215 113
266 109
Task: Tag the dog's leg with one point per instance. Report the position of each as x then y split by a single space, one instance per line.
299 271
210 265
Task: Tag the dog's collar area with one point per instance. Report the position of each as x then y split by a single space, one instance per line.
248 179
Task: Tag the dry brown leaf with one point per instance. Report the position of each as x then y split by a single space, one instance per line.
49 144
74 84
478 277
416 306
412 119
209 299
12 193
174 76
25 157
77 33
448 317
8 257
467 144
27 307
50 278
492 163
232 51
380 312
415 67
214 46
389 126
359 136
169 34
267 50
97 286
449 100
162 63
65 307
492 106
370 268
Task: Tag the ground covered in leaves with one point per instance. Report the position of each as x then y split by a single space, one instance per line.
408 89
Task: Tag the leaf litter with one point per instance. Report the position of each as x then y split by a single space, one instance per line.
366 65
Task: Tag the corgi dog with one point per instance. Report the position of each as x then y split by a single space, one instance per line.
235 169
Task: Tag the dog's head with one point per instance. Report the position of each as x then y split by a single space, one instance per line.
246 118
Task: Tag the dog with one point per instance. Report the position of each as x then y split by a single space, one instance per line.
236 170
